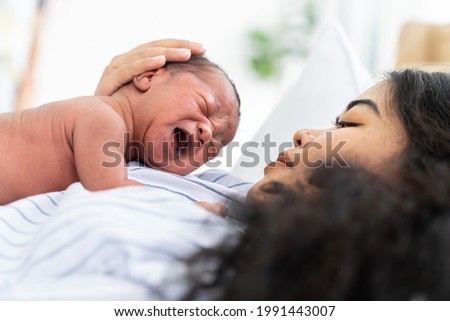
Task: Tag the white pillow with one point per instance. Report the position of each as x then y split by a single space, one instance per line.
331 77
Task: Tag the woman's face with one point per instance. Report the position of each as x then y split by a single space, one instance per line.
366 133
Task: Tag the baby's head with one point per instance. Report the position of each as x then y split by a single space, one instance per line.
186 112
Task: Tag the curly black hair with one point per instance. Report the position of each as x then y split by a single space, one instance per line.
421 101
359 237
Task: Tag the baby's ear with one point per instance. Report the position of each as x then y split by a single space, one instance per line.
144 80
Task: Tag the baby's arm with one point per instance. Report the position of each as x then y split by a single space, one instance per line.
99 144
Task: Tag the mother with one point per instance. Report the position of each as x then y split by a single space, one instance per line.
375 230
378 230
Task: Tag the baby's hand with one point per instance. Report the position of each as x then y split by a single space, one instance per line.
217 208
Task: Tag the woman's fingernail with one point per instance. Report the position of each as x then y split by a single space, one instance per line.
197 44
184 51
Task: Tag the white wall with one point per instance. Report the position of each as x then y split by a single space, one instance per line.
81 36
16 20
373 26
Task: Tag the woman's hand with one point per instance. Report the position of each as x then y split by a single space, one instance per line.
149 56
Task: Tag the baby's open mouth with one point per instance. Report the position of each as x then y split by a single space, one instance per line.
181 141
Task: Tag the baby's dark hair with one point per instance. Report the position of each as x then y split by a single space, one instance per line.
199 65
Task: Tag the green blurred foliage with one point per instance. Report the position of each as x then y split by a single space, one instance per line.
265 60
291 38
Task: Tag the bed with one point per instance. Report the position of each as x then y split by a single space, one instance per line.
119 244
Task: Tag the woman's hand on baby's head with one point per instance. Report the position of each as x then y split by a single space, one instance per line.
217 208
149 56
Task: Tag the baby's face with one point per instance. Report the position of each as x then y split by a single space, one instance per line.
187 120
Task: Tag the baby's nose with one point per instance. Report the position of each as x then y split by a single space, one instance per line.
204 133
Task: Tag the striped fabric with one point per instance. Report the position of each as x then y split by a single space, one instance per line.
129 243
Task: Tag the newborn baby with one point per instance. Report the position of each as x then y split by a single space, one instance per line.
174 119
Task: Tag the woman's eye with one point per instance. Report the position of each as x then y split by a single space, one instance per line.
343 124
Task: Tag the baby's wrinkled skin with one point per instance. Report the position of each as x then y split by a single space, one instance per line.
167 121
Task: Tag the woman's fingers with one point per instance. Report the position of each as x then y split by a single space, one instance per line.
113 78
149 56
171 54
195 47
173 49
217 208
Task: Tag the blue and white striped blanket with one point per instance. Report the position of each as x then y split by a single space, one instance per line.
128 243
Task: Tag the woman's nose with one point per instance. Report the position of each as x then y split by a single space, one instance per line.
204 133
302 137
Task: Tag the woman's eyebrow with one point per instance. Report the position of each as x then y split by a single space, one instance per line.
368 102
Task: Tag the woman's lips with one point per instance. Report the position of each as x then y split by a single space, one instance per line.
274 166
283 161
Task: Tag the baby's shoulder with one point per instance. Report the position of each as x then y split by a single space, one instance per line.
94 113
94 107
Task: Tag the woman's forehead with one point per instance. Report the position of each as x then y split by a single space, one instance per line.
379 94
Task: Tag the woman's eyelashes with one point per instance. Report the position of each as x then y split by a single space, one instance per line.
342 124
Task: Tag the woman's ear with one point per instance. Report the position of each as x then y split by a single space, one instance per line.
143 81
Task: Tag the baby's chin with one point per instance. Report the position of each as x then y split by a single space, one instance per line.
182 164
180 170
179 166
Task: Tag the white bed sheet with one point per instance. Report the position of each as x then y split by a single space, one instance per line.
123 244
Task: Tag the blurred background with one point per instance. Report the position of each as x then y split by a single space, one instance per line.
57 49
